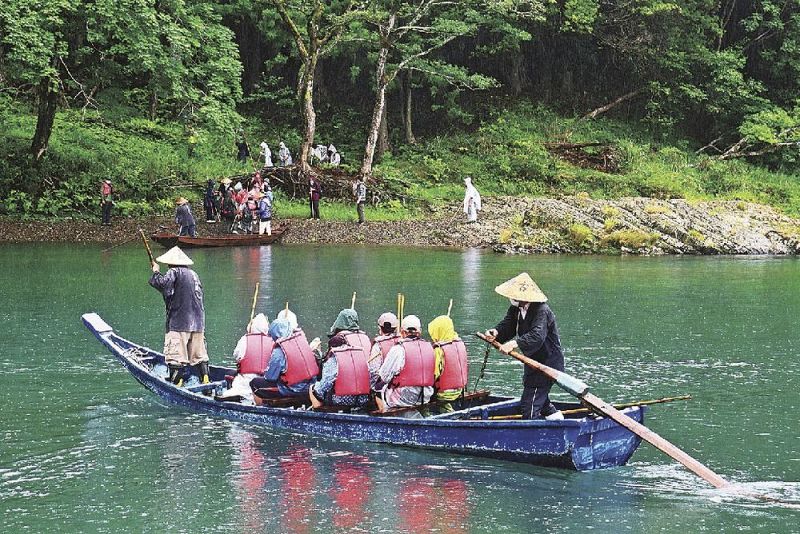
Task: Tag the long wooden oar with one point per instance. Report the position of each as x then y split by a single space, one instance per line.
253 307
617 406
353 301
449 307
147 247
580 390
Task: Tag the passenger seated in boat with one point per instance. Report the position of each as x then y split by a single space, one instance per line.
388 338
346 324
345 376
292 366
407 375
252 354
451 362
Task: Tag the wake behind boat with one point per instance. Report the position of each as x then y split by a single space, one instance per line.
169 240
577 442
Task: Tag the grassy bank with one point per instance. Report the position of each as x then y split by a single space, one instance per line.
507 154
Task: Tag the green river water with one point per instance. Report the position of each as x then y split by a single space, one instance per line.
86 449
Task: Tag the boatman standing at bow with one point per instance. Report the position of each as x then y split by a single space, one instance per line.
530 325
184 342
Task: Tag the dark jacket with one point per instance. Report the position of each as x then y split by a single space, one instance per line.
183 298
537 338
183 216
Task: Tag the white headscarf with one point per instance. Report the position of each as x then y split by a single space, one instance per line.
288 316
471 193
259 324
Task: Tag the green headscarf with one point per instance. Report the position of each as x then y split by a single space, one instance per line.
346 320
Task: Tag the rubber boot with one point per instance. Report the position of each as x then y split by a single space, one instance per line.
176 374
202 368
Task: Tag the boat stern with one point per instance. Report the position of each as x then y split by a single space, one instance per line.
603 443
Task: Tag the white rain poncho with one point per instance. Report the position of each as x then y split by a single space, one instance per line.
284 156
472 201
267 153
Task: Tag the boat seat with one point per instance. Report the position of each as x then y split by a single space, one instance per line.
475 396
205 387
286 402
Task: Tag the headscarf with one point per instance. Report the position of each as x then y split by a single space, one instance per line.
289 316
259 324
346 320
279 328
442 330
471 193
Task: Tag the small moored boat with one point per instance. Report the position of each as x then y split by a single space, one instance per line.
577 442
169 240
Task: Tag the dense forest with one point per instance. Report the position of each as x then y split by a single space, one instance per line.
671 98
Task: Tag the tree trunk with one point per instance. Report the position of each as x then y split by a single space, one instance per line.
383 136
309 114
377 114
410 139
48 102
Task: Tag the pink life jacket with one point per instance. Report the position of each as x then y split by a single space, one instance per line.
353 376
257 355
300 361
419 366
358 339
455 371
387 344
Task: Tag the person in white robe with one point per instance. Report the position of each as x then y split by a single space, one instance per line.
472 201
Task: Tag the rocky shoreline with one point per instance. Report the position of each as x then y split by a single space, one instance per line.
506 224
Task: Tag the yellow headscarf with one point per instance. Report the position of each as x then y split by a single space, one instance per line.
441 329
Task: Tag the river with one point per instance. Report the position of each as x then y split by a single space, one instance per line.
86 448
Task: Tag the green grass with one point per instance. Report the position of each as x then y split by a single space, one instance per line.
505 156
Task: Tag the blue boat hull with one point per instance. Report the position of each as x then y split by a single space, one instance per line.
583 444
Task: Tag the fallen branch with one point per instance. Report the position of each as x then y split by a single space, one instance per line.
602 109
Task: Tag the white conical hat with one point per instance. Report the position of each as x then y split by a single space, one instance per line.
175 256
522 288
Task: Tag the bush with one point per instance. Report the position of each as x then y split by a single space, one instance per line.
631 239
579 234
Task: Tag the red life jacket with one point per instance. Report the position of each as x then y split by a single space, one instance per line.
257 355
300 361
358 339
419 366
454 375
353 376
387 344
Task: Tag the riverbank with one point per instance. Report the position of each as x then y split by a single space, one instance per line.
575 224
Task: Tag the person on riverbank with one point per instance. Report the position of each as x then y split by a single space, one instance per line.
387 338
265 212
184 341
345 376
407 375
266 153
242 151
292 366
209 202
360 195
252 354
320 153
106 200
284 156
451 362
334 158
314 194
184 218
472 201
530 325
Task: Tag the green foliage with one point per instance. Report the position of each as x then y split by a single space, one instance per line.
631 239
580 234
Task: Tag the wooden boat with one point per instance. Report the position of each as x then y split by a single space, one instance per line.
577 442
169 240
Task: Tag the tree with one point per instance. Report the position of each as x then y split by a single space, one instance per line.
316 28
35 41
406 33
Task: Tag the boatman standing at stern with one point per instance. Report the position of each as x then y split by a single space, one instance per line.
184 342
530 325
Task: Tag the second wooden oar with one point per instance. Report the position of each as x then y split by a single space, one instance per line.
579 389
253 307
617 406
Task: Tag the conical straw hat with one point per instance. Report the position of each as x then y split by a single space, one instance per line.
175 256
181 200
522 288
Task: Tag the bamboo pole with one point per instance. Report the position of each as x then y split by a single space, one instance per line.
353 301
617 406
253 307
449 307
